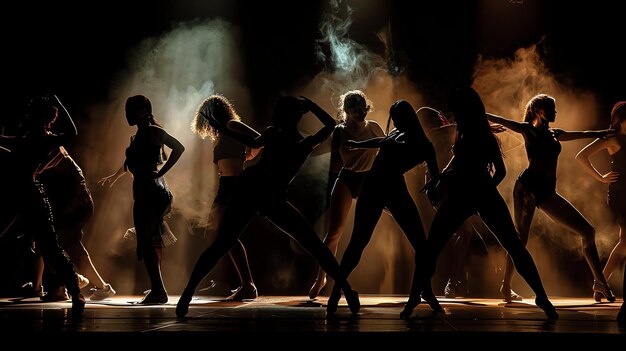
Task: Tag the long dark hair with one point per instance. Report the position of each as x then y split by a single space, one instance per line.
473 131
402 109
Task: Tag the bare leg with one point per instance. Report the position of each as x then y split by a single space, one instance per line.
340 203
404 211
292 222
152 261
460 247
524 209
495 214
449 217
247 290
563 212
90 270
617 254
39 268
236 218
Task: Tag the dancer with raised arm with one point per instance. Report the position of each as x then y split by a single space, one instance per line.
616 179
405 147
262 189
351 165
536 187
229 156
472 177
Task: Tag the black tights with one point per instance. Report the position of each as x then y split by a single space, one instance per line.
377 194
242 207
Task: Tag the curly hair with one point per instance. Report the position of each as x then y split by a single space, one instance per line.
356 101
218 107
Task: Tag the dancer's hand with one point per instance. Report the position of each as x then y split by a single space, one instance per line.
110 180
607 133
610 177
307 104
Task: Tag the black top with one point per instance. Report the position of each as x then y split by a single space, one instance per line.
400 152
143 155
226 147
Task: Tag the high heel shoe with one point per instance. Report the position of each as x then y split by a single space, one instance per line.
508 295
602 290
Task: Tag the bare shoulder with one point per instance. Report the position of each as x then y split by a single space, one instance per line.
375 127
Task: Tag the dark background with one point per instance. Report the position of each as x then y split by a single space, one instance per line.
76 50
73 50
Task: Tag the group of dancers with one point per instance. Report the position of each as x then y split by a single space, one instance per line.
367 164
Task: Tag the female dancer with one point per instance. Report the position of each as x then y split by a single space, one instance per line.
403 149
536 187
41 133
616 178
72 207
351 164
152 197
229 156
476 156
262 189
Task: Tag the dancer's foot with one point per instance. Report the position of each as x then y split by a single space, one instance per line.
547 307
432 301
78 305
29 290
317 287
333 301
247 292
508 295
182 307
154 297
601 290
55 295
410 306
352 297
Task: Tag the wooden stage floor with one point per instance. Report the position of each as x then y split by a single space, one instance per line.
279 320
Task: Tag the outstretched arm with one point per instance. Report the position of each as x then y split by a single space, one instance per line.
564 135
328 122
364 144
241 127
508 123
594 147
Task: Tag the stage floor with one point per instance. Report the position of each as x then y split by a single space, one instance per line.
277 319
